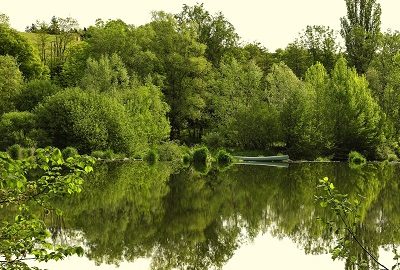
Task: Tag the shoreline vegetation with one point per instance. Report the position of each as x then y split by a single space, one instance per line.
186 78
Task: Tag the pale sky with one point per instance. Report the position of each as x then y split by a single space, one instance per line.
273 23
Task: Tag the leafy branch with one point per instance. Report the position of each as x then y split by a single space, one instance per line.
36 181
346 210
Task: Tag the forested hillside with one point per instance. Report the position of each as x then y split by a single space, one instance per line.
187 77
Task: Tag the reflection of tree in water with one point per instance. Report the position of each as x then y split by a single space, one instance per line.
194 233
119 210
190 220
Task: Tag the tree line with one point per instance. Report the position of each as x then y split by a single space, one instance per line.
187 77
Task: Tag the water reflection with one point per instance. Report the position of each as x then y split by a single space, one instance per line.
191 220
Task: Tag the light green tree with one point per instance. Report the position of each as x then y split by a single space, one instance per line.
11 82
289 96
75 64
240 115
355 115
30 184
317 82
148 111
108 74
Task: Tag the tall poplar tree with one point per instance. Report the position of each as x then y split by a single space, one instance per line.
361 30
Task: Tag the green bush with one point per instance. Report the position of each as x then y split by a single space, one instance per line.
15 151
69 152
170 151
151 156
201 156
224 158
356 158
34 93
20 128
88 121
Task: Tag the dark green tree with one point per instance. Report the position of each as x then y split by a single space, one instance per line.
215 31
260 55
34 92
14 44
20 128
296 57
320 42
361 31
186 72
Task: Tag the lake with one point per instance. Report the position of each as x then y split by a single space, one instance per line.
135 216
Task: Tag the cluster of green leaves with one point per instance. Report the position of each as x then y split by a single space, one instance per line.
347 211
28 183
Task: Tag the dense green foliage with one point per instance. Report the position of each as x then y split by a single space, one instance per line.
15 45
35 92
187 77
224 158
201 155
20 128
10 83
360 30
88 121
356 158
27 184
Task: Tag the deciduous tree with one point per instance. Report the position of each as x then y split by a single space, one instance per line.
11 82
14 44
361 31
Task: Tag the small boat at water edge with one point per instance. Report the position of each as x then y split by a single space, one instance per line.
264 159
268 164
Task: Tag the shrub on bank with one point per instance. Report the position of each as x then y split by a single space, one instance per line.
15 151
170 151
356 158
20 128
88 121
201 155
224 158
152 156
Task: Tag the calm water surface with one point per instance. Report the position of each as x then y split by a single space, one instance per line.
155 217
